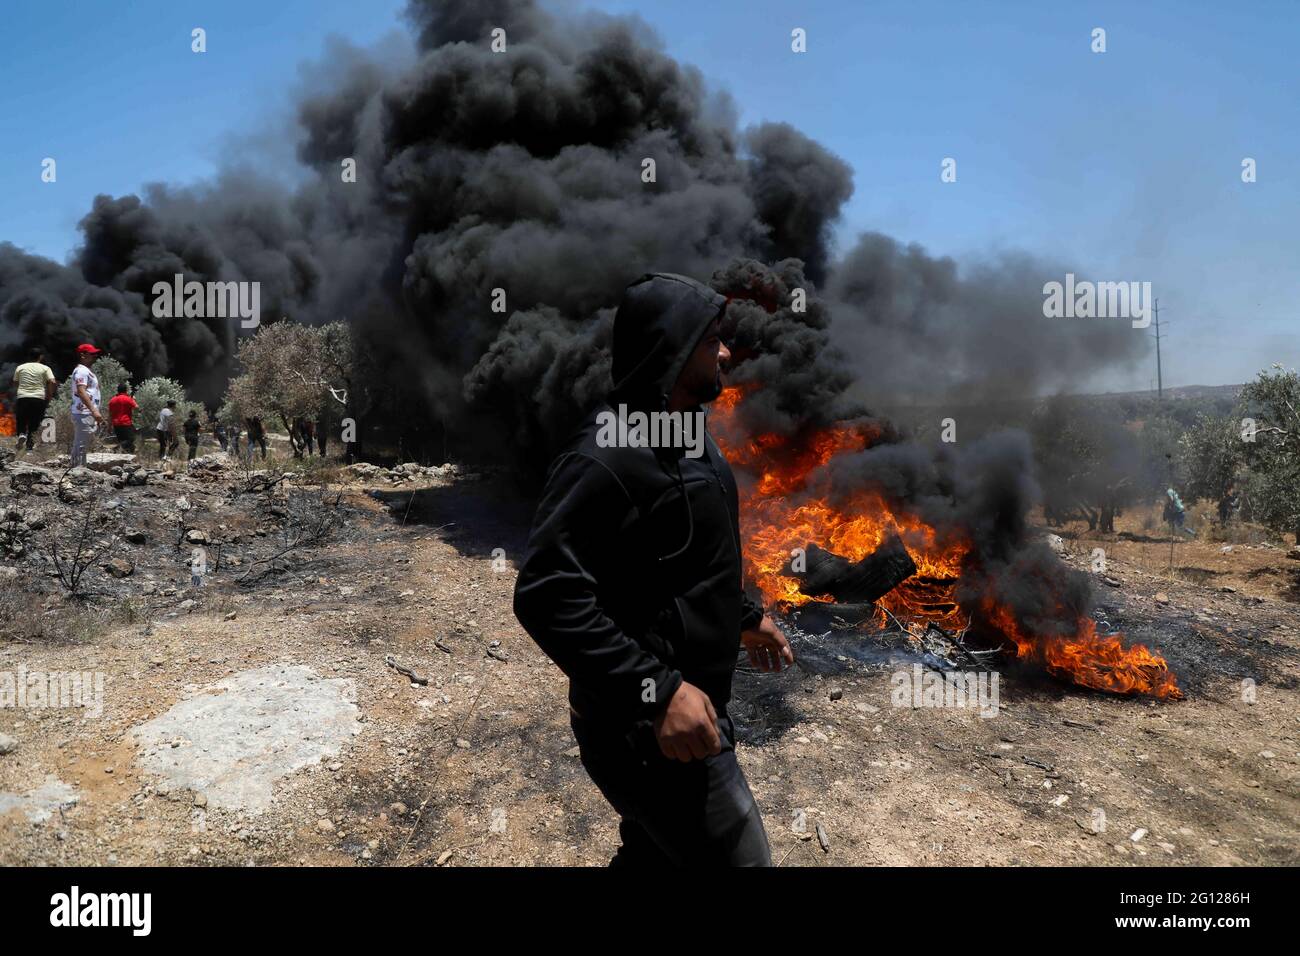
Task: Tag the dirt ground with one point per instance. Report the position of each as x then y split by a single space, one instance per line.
479 767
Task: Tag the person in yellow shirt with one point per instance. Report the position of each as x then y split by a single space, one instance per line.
34 385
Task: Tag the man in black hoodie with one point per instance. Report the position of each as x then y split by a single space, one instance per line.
632 585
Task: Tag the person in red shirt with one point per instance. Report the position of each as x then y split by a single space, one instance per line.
121 408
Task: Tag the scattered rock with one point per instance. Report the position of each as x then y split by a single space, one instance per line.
7 744
248 731
119 567
39 805
1162 597
107 461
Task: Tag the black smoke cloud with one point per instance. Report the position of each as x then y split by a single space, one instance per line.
521 171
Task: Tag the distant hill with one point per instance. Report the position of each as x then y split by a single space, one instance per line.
1180 392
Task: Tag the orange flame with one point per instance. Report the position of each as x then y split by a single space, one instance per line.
772 525
8 423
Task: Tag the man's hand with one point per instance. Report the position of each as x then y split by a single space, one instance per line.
768 649
687 729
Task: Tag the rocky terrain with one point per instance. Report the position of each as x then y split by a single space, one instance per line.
347 686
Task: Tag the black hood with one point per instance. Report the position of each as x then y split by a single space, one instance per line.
661 319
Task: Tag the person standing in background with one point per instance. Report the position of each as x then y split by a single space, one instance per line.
86 417
121 409
192 428
256 436
164 429
34 386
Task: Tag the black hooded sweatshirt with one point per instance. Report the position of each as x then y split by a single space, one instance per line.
633 568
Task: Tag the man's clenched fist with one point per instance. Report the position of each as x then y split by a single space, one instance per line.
687 729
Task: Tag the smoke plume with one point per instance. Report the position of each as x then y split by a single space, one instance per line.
522 171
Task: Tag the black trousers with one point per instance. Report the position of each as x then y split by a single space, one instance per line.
28 415
675 814
125 437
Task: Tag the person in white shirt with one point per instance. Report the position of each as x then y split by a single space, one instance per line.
166 430
86 417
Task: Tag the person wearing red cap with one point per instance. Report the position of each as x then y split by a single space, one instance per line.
86 417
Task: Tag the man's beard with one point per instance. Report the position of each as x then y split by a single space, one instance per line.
709 390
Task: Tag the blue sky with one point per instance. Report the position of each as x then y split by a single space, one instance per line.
1126 164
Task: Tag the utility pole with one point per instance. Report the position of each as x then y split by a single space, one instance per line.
1160 382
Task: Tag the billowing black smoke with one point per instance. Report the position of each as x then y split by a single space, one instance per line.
521 171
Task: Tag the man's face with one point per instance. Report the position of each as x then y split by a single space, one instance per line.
701 379
88 358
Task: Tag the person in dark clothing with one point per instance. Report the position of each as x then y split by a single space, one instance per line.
304 433
1227 505
322 433
256 436
192 427
631 584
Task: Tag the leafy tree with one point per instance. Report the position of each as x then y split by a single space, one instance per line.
1089 464
291 372
1273 486
154 393
1210 455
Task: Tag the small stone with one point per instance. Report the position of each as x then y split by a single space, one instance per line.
462 743
1162 597
7 744
325 825
118 567
1138 834
230 616
335 767
399 809
200 800
836 693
